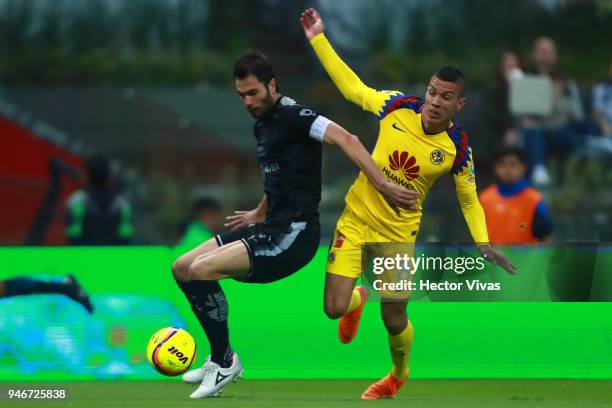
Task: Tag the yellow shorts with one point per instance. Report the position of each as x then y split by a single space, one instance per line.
345 252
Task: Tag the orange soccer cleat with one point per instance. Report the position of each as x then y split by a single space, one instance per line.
385 388
348 325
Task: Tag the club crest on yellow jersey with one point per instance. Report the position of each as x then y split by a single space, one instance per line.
437 156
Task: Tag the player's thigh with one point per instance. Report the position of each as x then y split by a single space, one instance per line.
229 261
343 264
344 257
181 265
342 271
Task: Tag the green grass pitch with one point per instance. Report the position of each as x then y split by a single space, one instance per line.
325 393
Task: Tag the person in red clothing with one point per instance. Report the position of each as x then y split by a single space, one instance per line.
515 212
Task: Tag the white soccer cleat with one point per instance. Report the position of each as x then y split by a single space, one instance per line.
216 377
196 376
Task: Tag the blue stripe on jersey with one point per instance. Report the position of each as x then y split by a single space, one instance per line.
463 155
400 101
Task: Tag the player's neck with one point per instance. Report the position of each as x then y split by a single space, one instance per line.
434 129
274 98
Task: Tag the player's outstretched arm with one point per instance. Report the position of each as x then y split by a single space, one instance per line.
347 82
475 219
494 256
465 186
396 196
242 219
464 177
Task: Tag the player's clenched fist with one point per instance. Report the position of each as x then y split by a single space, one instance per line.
312 23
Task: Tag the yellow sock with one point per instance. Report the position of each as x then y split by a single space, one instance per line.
400 351
355 301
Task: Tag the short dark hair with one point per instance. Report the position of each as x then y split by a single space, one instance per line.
510 151
206 204
98 170
452 73
256 63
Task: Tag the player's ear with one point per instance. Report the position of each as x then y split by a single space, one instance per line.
460 102
272 88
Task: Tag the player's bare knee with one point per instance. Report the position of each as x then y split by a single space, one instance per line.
395 324
334 310
394 318
180 269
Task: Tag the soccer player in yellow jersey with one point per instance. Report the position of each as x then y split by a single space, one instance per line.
417 143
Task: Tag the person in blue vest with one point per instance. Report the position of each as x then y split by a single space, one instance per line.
515 212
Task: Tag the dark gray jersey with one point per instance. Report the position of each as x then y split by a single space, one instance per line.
289 156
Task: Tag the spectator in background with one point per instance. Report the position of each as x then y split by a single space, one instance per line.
508 68
602 104
206 220
514 211
98 215
556 131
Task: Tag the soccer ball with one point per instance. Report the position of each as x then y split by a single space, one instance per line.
171 351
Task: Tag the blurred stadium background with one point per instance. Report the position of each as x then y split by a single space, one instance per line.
148 84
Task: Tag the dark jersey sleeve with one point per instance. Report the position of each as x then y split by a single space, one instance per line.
299 119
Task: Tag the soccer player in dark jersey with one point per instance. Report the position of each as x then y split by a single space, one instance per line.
282 234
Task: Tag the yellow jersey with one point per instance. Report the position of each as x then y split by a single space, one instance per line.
405 154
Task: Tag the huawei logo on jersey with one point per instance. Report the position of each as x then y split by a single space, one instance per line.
407 164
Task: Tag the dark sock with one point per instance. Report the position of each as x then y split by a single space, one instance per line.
209 304
27 286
